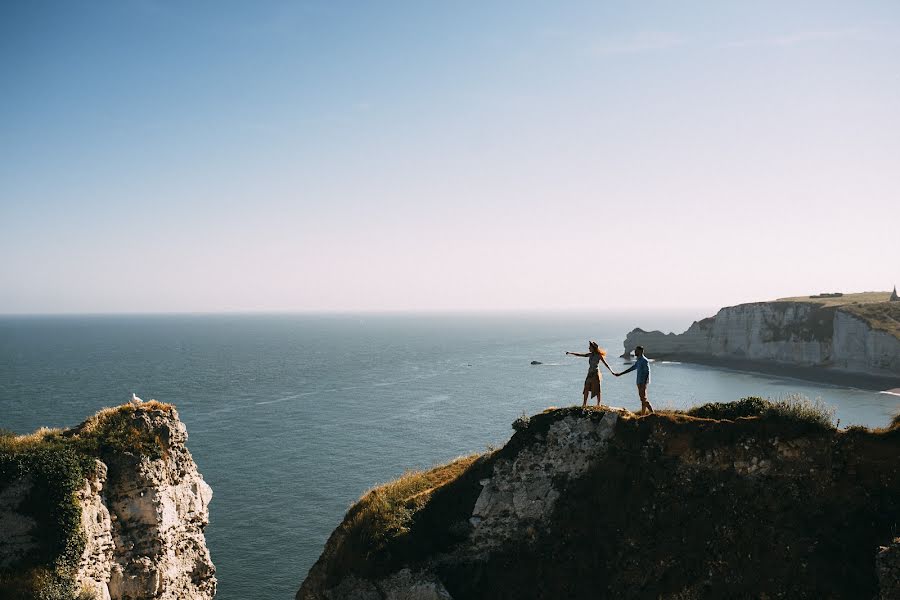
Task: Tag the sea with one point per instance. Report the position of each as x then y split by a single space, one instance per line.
292 417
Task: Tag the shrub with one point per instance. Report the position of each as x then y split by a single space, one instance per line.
521 423
895 422
795 407
56 472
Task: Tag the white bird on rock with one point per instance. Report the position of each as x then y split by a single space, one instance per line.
135 399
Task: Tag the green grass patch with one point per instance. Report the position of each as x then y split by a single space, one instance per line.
795 408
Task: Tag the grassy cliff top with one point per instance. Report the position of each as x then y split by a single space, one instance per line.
828 300
883 316
872 307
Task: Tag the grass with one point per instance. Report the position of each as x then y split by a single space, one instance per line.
795 408
57 463
872 307
384 513
881 316
113 430
862 298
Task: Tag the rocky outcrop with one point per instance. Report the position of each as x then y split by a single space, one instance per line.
798 334
142 513
603 504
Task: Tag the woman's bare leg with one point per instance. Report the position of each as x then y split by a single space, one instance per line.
584 402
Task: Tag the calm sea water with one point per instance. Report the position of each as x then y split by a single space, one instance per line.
291 418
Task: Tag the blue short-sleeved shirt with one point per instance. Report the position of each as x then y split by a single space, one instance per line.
643 370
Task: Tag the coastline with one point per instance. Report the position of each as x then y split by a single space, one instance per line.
864 381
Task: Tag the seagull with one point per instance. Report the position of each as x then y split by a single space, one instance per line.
135 399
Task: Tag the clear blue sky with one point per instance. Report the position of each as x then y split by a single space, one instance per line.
171 156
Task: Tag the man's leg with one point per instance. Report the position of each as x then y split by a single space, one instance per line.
642 393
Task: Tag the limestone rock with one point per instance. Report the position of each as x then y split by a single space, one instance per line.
142 518
801 334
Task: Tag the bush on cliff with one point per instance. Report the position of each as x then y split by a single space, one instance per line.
55 470
795 408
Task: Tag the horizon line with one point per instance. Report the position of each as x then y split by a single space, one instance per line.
347 312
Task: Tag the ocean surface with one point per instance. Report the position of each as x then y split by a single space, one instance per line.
292 417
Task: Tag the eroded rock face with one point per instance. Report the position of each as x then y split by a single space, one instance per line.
98 558
524 489
159 510
143 521
594 504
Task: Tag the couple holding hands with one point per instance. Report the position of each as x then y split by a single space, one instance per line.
596 355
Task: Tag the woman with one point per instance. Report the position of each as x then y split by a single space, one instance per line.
592 381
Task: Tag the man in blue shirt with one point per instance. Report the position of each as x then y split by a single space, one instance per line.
642 365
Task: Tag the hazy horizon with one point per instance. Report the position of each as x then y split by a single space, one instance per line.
319 157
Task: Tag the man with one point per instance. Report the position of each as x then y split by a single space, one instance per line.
643 377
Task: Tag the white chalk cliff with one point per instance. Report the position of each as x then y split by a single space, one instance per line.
788 333
142 518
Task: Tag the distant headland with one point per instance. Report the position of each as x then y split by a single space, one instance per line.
846 339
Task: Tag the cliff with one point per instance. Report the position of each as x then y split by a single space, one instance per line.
833 336
753 500
112 509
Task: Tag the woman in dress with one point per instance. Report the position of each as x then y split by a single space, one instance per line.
592 381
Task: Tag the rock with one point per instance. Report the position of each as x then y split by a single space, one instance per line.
142 517
786 333
536 362
600 504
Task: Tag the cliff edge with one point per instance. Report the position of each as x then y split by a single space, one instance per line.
826 338
112 509
748 500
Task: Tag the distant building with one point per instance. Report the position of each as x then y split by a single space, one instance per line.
894 296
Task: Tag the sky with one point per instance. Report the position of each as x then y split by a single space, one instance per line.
424 155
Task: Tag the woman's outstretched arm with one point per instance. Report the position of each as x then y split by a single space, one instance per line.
607 364
582 355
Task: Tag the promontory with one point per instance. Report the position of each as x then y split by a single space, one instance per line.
851 339
749 499
113 509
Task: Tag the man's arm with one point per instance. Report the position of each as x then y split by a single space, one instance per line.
628 370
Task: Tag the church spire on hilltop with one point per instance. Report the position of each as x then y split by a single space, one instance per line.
894 296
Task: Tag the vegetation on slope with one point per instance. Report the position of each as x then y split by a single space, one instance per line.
797 409
872 307
860 298
57 463
880 316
